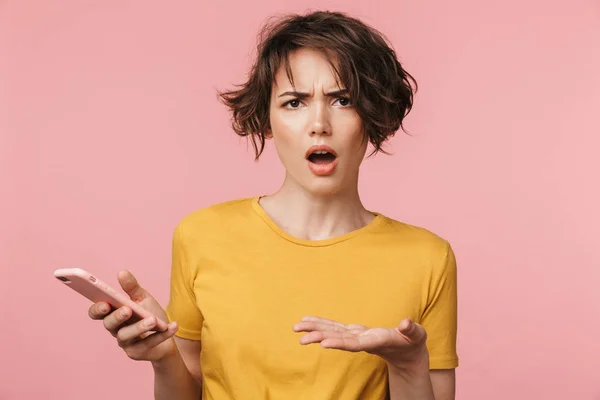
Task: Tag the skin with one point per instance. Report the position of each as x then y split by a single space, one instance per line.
324 207
175 361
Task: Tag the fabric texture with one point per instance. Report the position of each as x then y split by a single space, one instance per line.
239 283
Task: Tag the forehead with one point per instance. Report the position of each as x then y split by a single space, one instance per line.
309 68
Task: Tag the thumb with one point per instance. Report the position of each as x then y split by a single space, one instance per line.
131 286
412 331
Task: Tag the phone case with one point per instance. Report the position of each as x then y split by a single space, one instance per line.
95 290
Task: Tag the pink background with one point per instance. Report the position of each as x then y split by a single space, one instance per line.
110 132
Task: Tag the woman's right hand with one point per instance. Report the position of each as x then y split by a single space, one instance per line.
135 337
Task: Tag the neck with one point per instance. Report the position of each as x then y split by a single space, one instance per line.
309 216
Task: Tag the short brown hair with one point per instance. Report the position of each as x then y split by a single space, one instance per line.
380 89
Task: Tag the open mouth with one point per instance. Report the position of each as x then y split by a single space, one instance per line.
321 154
322 160
321 157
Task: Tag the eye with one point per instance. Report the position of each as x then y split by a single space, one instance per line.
292 104
344 101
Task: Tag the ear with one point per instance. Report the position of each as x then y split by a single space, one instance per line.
268 133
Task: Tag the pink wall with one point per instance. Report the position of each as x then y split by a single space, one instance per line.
110 132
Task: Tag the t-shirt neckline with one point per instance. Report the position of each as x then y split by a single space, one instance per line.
313 242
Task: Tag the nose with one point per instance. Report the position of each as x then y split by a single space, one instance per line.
320 124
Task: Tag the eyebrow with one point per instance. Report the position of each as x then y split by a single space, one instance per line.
302 95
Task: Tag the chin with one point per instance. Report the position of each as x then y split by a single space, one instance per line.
324 186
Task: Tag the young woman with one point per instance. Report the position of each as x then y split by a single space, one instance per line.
305 293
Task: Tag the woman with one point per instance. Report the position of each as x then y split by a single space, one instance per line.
258 283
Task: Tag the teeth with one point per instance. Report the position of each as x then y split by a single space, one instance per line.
321 152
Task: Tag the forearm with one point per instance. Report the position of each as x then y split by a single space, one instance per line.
173 381
411 382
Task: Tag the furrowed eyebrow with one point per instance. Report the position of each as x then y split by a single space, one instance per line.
303 95
338 93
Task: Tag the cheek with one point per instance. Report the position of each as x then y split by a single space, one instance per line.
279 132
355 137
358 151
285 139
286 128
288 122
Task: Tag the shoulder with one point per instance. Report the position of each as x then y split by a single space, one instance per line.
424 254
218 212
422 243
212 217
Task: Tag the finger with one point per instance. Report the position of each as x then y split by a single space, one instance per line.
132 332
131 286
308 326
99 310
319 336
368 340
310 318
334 340
412 331
332 322
115 319
359 340
352 344
140 348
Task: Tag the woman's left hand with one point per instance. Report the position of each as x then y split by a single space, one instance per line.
400 347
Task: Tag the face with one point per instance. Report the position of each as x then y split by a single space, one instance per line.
315 127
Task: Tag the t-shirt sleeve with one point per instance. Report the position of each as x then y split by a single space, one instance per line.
440 316
182 306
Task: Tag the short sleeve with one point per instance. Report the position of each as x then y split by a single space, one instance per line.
182 306
440 316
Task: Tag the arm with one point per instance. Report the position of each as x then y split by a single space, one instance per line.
176 361
432 375
421 383
411 383
179 376
421 358
444 383
440 322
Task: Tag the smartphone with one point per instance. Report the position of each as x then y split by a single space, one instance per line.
95 290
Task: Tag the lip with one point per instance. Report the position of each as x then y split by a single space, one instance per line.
320 147
322 169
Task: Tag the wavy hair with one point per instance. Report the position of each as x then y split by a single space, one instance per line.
380 89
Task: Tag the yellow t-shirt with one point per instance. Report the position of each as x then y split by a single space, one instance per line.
239 283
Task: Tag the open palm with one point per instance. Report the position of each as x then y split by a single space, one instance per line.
398 344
